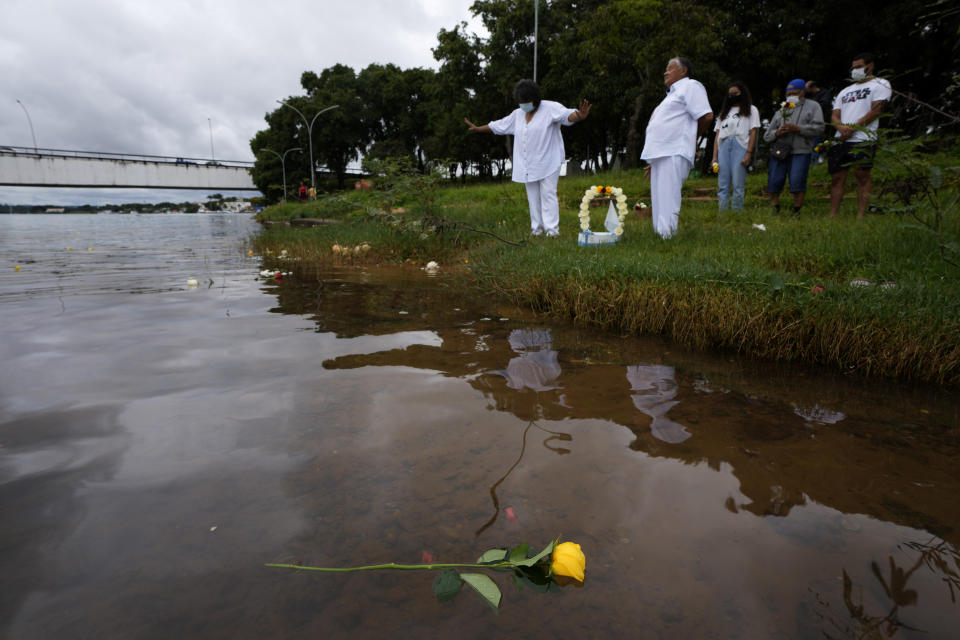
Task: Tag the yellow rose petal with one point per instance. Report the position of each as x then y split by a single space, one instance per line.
569 560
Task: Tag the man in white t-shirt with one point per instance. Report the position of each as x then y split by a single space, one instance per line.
671 141
855 113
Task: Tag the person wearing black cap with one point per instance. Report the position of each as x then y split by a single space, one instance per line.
796 124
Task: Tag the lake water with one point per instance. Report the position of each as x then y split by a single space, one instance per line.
159 443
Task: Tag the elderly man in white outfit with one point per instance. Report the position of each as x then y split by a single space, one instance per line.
671 141
537 150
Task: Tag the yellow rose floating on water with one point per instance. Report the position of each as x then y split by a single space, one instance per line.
539 572
568 560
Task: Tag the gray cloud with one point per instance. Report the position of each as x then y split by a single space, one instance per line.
144 77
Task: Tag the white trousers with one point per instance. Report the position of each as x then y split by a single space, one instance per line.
544 206
666 178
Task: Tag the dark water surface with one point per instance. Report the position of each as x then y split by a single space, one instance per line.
160 443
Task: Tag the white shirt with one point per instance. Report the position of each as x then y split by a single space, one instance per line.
856 100
734 125
537 145
672 130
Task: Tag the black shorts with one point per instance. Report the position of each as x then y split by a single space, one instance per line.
843 155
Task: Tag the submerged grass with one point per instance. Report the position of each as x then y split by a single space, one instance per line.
782 293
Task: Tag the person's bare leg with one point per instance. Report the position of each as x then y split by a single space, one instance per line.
836 190
863 191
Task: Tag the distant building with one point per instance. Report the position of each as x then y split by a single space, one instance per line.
54 210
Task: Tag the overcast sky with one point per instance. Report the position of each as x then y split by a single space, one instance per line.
144 76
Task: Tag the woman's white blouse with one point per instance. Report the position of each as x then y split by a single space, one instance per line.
734 125
537 145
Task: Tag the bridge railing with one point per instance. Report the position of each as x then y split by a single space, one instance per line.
127 157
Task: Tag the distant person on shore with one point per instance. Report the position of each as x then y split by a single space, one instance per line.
302 192
859 105
538 151
312 193
671 142
795 125
733 147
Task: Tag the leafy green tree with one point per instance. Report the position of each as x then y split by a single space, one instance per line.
340 135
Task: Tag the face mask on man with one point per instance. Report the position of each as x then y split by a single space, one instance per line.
793 100
858 73
527 107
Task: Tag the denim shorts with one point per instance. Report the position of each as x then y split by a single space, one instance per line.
797 166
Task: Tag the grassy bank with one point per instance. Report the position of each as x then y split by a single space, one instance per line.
783 293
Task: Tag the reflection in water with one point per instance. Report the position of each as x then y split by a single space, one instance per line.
863 602
655 389
536 366
554 435
818 415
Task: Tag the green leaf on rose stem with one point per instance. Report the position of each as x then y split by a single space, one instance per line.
536 578
486 587
493 555
519 552
447 585
529 562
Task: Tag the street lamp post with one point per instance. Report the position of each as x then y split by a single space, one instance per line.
30 122
212 156
283 166
536 28
313 181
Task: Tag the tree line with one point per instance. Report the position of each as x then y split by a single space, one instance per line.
612 52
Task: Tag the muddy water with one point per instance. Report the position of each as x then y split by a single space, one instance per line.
160 443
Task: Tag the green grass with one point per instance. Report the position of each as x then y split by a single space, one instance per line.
718 283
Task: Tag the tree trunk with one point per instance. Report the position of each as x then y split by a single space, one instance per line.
633 134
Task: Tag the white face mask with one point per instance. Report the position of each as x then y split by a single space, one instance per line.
859 73
527 107
793 100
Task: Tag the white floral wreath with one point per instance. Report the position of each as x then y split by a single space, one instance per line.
594 192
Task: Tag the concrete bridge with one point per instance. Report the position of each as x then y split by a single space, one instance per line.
31 167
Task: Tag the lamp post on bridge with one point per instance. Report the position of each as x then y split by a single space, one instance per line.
212 156
283 166
313 180
30 122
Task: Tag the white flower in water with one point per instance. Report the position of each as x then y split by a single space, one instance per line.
432 266
192 283
266 273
